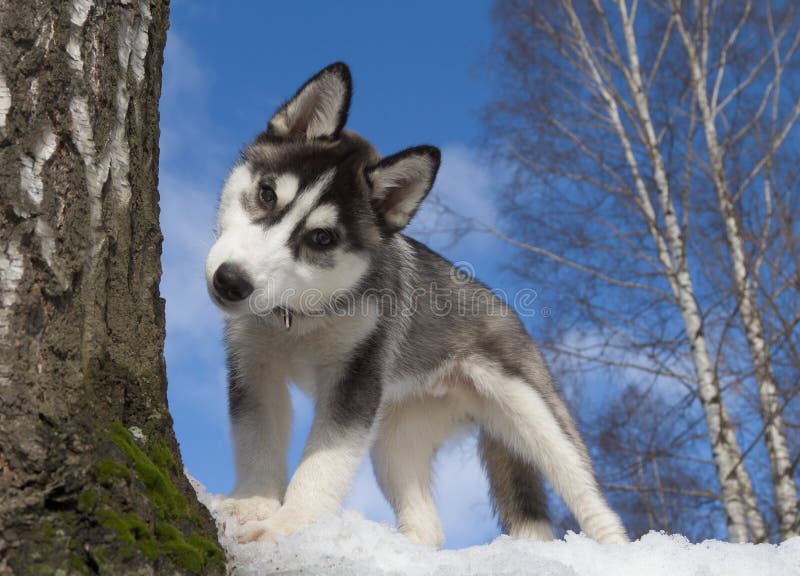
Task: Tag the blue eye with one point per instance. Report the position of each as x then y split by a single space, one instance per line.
267 196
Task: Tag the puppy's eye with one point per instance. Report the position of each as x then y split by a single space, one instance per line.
267 196
321 238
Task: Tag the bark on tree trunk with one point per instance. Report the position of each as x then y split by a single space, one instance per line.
91 478
785 489
738 497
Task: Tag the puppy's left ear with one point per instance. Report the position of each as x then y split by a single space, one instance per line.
400 183
318 109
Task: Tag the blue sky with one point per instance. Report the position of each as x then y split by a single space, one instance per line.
418 78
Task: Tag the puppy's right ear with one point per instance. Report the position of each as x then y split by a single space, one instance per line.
318 110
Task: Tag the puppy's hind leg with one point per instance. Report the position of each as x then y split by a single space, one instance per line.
517 491
534 424
410 431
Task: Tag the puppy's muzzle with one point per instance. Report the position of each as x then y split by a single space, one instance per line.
231 284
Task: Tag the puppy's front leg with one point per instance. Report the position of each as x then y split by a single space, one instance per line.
261 415
338 441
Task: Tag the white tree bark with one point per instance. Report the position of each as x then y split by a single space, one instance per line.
636 150
785 489
738 497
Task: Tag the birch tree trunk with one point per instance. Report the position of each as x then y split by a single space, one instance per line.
737 491
784 486
738 498
91 479
603 131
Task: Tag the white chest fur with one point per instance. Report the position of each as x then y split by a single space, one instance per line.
314 353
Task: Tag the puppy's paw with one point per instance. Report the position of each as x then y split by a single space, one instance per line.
256 531
606 528
283 523
249 509
426 535
540 530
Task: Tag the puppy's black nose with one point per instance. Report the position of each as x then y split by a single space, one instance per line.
231 284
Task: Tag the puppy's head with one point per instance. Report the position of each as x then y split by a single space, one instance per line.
309 204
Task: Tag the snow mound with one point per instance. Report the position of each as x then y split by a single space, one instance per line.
350 545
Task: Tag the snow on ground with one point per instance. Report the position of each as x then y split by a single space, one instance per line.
350 545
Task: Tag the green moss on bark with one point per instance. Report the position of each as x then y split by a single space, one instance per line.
165 535
78 495
108 471
166 500
130 531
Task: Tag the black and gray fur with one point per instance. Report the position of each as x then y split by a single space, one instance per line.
399 348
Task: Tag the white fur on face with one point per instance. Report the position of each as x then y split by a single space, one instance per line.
264 254
325 216
286 188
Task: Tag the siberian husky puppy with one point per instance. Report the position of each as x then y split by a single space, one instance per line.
319 287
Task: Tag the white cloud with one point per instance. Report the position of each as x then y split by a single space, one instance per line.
462 202
193 166
207 399
194 163
184 76
619 360
187 221
464 185
189 136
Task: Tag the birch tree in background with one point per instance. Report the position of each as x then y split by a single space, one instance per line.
653 197
706 82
